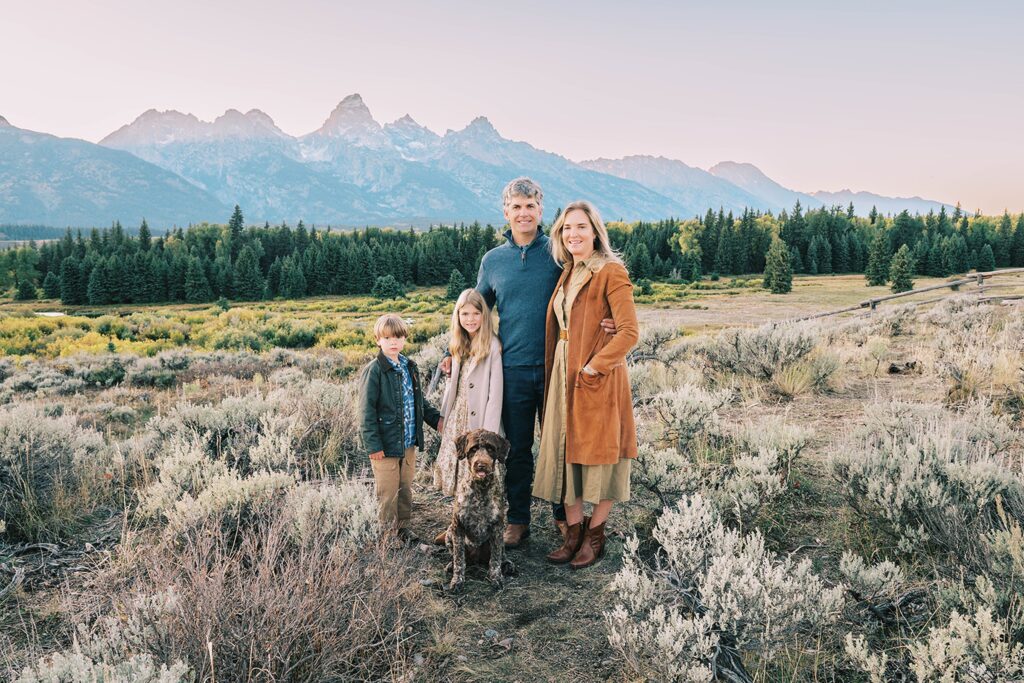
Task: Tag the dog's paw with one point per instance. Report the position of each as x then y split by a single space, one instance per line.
456 587
508 568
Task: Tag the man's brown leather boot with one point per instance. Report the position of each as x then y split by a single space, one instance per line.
516 534
591 549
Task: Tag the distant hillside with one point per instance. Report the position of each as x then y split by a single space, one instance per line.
61 181
24 233
694 189
864 201
754 181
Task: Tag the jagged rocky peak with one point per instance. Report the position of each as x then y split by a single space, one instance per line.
481 125
154 127
350 113
234 123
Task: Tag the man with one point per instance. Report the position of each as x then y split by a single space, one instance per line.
518 278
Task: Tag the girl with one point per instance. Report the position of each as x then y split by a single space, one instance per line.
472 398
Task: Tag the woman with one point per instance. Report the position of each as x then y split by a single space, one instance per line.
588 436
472 398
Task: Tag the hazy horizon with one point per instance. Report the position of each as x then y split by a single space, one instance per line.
917 100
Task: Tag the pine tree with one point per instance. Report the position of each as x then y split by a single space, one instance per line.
274 278
796 263
235 226
51 285
145 238
778 276
877 271
1017 246
456 283
724 251
936 262
901 269
248 282
197 286
387 287
841 254
97 291
639 264
71 289
26 291
293 280
824 255
986 259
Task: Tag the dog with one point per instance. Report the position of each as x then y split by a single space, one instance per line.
480 507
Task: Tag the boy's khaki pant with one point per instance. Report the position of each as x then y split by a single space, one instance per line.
393 478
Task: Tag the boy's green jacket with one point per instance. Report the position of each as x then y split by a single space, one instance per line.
381 401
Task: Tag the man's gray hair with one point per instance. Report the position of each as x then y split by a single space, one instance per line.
522 187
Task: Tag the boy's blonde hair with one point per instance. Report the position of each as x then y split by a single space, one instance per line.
390 325
461 345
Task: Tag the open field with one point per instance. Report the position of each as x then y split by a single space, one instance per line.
833 496
343 322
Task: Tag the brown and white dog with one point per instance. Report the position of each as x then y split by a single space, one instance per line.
480 507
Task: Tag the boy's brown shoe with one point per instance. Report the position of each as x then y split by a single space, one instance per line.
515 534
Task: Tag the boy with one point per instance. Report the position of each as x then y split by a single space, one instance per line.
393 412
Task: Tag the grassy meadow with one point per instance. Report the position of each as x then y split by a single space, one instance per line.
183 498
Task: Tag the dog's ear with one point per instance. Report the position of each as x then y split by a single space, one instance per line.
498 444
460 445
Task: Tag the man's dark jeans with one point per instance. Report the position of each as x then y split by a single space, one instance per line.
522 403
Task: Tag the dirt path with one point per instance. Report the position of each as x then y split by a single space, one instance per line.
552 615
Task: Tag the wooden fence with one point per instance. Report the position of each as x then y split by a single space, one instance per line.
981 280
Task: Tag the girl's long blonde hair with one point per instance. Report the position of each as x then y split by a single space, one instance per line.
462 346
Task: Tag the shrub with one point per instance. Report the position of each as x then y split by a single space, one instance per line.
930 477
761 352
969 648
282 599
115 650
680 415
53 473
708 581
870 581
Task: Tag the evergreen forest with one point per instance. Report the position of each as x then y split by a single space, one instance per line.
244 263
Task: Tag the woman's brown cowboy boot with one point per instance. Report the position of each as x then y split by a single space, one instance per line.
570 544
591 549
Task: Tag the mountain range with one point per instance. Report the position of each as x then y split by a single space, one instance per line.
173 169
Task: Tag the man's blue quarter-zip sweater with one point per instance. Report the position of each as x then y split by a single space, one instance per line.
520 281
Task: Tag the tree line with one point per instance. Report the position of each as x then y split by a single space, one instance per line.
234 261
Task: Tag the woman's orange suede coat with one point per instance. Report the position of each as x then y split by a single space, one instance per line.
599 409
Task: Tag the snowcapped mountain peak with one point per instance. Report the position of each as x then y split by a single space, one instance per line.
154 127
410 138
352 120
235 124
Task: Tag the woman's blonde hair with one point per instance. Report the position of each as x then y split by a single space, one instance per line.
462 346
602 244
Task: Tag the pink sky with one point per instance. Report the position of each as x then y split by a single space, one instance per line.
921 100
